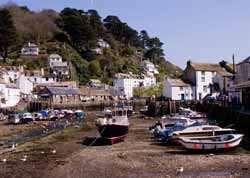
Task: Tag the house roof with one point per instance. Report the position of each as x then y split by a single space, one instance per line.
94 92
62 91
245 84
54 56
177 82
60 64
225 73
205 66
247 60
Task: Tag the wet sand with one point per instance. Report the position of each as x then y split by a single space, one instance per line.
138 156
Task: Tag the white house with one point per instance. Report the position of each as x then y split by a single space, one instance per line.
101 44
147 66
10 74
26 83
54 58
9 95
125 83
30 50
201 76
59 67
176 89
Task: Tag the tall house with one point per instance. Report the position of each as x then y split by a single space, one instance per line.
201 76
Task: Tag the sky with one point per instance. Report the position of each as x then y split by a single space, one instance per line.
196 30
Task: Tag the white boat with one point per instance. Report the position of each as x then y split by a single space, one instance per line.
221 142
203 130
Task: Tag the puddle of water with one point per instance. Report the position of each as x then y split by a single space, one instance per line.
205 174
53 126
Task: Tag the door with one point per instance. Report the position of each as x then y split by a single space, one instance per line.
182 96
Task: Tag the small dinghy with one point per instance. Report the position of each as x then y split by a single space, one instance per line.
221 142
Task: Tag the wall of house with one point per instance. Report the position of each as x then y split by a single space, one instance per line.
126 85
9 96
176 92
51 60
167 91
59 99
203 81
220 80
243 72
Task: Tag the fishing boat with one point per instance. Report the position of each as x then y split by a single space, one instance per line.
203 130
221 142
114 126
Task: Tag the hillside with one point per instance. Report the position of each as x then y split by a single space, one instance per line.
95 47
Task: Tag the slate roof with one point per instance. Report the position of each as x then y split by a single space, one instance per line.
62 91
206 66
177 82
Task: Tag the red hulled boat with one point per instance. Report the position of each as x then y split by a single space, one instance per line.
115 125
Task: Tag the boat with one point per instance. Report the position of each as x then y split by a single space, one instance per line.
203 130
79 113
115 125
27 118
14 119
220 142
161 133
38 116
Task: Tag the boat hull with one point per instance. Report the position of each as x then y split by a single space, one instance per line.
211 146
113 132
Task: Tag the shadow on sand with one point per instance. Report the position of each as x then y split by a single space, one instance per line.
96 141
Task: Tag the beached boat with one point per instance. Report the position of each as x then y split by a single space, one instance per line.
114 126
221 142
79 113
14 119
27 118
203 130
163 133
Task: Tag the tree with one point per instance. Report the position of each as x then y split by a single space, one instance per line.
95 68
8 34
96 23
76 23
144 37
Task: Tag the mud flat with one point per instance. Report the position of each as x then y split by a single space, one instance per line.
68 154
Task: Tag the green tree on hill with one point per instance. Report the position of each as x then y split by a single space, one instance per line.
76 24
95 68
8 34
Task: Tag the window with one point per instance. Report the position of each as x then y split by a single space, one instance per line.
202 72
204 88
203 79
181 88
